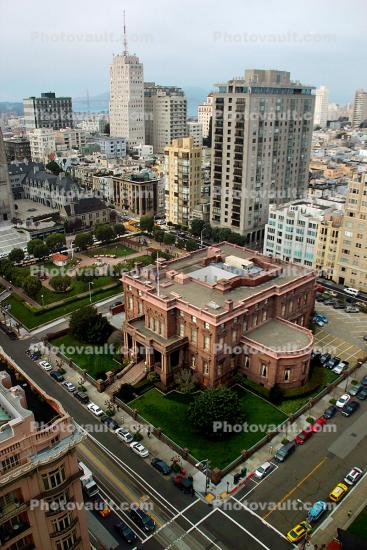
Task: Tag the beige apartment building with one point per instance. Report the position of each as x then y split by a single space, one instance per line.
183 169
205 113
359 114
351 265
136 194
262 129
40 491
326 245
43 144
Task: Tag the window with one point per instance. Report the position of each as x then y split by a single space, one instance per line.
264 370
206 342
130 302
53 479
206 325
182 329
62 523
205 368
193 318
287 374
194 335
9 463
67 542
246 363
283 309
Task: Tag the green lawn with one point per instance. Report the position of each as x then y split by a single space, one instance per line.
359 525
77 287
95 364
169 413
30 320
118 250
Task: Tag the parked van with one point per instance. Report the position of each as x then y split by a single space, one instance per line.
351 291
82 396
285 451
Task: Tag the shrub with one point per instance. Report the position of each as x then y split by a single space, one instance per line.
16 255
138 436
126 392
153 377
60 283
31 285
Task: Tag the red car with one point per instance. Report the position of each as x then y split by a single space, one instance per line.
317 426
303 436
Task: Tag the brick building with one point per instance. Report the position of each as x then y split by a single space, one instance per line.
221 310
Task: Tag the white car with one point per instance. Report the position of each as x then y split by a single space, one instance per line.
340 368
343 400
139 449
45 365
124 434
95 409
353 476
69 386
263 470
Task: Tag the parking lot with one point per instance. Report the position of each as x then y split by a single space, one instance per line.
343 334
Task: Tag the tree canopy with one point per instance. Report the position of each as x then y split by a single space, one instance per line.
89 326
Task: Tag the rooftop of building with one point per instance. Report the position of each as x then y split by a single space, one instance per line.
280 336
209 278
84 206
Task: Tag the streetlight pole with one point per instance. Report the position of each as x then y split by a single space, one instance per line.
201 238
43 301
90 292
205 462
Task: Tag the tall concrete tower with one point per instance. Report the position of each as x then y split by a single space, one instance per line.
6 197
127 97
321 106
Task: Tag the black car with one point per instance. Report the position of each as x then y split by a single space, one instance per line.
161 466
57 376
364 381
362 394
339 305
82 396
329 412
332 363
125 532
110 422
350 408
324 358
319 297
315 355
142 519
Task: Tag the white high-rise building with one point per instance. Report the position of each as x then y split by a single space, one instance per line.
43 145
321 106
195 131
359 108
205 113
127 97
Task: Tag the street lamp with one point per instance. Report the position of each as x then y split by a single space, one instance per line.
205 463
90 292
43 301
201 238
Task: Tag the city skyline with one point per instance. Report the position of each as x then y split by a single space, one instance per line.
298 41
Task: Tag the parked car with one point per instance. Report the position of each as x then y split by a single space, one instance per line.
354 475
110 422
142 519
125 532
161 466
93 408
351 291
353 390
318 322
324 358
315 355
139 449
69 386
319 423
82 397
101 507
329 302
124 434
338 305
364 381
350 408
341 367
351 309
330 412
343 400
317 510
57 376
185 484
323 318
365 337
303 436
338 492
298 532
263 470
333 362
45 365
319 297
285 451
362 394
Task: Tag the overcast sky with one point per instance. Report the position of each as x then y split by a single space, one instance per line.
67 46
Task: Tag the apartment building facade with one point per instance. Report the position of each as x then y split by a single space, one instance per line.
17 148
67 139
165 111
184 179
351 265
326 247
321 106
262 129
7 210
359 113
43 144
195 131
40 492
221 311
205 113
48 111
136 194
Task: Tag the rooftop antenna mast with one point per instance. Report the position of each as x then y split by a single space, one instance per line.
158 287
125 37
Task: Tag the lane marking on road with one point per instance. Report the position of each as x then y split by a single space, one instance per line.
260 518
122 514
295 488
243 529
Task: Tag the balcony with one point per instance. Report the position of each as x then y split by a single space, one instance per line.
11 509
10 531
62 532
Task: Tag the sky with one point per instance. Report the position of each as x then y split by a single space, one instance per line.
67 46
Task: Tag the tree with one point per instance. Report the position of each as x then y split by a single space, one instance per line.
16 255
197 226
53 167
31 285
55 241
158 235
32 244
40 251
181 243
186 380
106 129
276 395
169 238
89 326
118 229
83 240
60 283
104 233
191 245
147 223
212 408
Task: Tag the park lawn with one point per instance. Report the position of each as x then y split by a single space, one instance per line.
30 320
169 413
359 525
119 250
77 287
94 363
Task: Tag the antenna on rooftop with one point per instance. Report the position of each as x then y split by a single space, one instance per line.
157 261
125 37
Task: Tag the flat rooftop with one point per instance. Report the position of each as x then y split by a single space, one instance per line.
28 209
280 336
